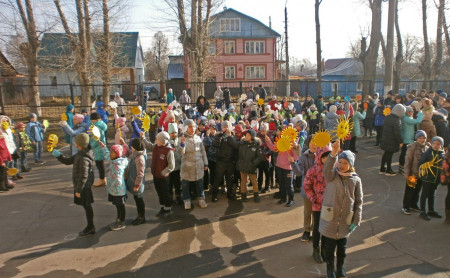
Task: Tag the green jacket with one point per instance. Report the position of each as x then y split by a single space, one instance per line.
98 153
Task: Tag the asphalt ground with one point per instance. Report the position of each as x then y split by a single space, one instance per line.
39 226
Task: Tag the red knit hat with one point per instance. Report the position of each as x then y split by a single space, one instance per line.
119 150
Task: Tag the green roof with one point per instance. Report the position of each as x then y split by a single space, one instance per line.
55 52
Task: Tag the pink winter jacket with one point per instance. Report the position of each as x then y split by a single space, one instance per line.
282 160
314 183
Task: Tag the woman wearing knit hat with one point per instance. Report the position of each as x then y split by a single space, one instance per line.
116 186
163 163
136 177
82 178
414 152
341 211
430 165
408 126
193 164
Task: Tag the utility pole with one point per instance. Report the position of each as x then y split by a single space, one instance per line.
288 85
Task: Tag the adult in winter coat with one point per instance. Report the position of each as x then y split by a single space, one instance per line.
331 121
368 121
102 112
69 114
427 123
120 104
391 140
359 115
249 157
78 128
227 97
408 132
202 105
193 164
218 97
341 207
170 97
314 184
440 122
185 99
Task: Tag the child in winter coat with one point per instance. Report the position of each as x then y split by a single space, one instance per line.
249 157
379 122
408 132
78 128
36 132
284 169
313 117
429 172
300 168
5 130
136 125
5 157
174 176
136 177
121 128
116 186
69 114
341 207
427 123
445 180
104 115
98 153
23 144
82 178
163 162
314 185
414 152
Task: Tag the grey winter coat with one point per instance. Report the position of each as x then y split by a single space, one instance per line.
413 155
193 158
342 202
83 169
331 123
177 155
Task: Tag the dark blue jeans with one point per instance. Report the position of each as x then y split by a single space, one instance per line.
185 189
23 159
285 181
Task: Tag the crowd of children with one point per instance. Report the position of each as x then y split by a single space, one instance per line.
200 148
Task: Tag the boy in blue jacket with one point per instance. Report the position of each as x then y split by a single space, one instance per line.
36 132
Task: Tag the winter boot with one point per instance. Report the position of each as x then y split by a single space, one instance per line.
290 203
202 203
100 182
330 269
25 169
19 176
187 204
340 272
256 197
244 197
447 216
179 200
316 255
401 169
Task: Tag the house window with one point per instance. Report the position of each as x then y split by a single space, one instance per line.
254 47
230 25
255 72
212 48
359 86
335 87
402 86
53 81
230 72
229 47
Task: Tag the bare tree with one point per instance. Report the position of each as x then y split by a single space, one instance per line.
29 50
106 54
399 56
425 65
436 71
160 50
447 36
369 57
389 50
318 48
80 44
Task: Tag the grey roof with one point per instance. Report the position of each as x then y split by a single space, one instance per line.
250 27
175 71
341 67
55 52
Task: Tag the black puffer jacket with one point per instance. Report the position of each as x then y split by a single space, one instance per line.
226 148
441 125
392 134
249 156
83 171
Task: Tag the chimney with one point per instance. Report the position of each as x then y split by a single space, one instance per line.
323 64
270 22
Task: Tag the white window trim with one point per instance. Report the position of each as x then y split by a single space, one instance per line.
254 47
222 24
332 87
225 47
359 86
234 72
247 70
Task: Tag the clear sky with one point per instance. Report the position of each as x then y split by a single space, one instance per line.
342 21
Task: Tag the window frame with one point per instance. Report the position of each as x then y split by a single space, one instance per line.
247 67
225 22
255 42
234 72
225 47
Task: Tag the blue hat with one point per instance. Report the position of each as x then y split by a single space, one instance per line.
438 138
444 95
420 133
349 156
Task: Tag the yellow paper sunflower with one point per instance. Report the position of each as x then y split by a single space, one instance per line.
290 133
343 128
64 117
135 110
12 172
321 138
260 102
387 111
283 144
145 122
411 181
52 142
5 125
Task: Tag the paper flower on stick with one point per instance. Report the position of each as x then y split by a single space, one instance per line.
113 104
145 122
366 105
387 111
283 144
64 117
411 181
45 123
119 130
52 142
94 132
427 167
260 102
290 133
358 97
5 125
343 128
135 110
12 171
321 138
